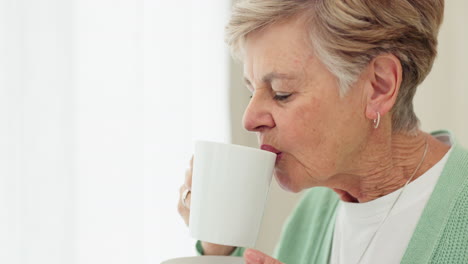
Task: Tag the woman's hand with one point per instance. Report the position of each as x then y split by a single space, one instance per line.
252 256
184 211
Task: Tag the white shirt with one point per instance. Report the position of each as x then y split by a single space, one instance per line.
357 222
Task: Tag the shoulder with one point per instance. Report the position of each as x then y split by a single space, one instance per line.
455 172
458 157
452 242
442 231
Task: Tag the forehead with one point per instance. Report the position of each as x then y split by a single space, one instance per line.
280 47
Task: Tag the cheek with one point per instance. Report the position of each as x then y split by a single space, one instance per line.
308 124
310 138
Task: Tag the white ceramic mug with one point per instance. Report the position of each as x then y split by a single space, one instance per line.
230 185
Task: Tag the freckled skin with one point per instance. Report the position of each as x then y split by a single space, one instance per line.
315 129
327 140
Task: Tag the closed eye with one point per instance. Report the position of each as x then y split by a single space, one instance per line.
281 96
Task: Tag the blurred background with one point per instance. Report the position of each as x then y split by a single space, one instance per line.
100 104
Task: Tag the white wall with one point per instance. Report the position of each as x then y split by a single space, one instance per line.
100 104
440 103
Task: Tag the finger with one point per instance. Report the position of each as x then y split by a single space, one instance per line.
253 256
188 200
182 190
191 162
188 178
184 211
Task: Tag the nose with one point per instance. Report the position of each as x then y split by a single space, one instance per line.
257 115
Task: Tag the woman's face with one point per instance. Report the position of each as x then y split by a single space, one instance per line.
296 108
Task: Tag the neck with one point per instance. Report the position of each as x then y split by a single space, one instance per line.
386 164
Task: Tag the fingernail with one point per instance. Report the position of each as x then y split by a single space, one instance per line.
251 256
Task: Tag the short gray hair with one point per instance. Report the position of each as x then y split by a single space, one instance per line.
347 34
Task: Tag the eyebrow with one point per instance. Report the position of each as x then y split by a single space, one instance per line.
268 78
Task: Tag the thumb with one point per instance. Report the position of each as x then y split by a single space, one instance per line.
253 256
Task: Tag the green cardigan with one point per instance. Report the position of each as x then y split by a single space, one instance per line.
441 235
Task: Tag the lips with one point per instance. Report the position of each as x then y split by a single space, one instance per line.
269 148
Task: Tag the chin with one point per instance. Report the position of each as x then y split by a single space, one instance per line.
285 182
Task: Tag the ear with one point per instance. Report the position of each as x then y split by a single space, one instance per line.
385 75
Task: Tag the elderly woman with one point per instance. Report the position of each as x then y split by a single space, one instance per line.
332 85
